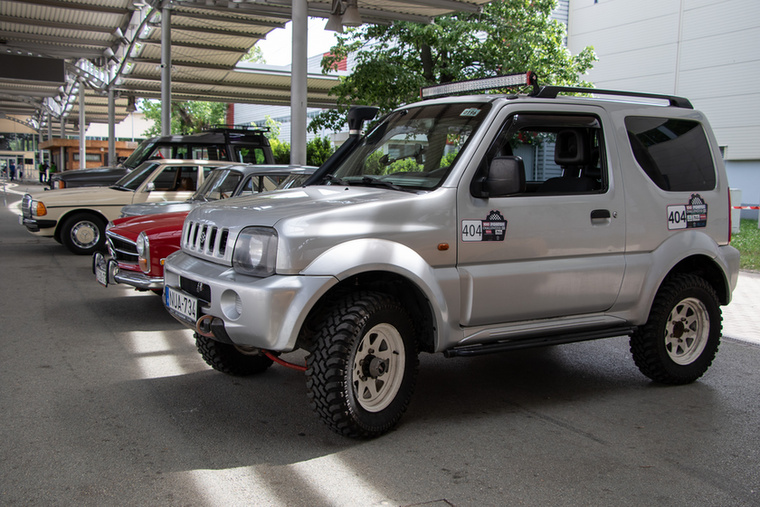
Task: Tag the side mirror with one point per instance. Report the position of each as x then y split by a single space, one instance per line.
505 176
150 187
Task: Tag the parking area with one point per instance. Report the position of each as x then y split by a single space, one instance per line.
107 402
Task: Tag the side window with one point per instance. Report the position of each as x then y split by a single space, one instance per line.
250 156
673 153
266 183
173 178
207 152
561 154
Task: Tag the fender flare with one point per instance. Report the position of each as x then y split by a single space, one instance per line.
370 254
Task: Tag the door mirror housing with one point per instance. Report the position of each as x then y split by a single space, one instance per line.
505 176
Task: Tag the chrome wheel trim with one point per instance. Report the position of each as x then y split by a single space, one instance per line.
85 234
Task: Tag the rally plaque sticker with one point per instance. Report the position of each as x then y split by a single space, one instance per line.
688 216
493 228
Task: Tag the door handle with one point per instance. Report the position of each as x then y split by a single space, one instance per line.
599 214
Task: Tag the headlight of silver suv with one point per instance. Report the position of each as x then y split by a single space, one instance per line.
143 252
255 251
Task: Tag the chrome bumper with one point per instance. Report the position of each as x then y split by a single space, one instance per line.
111 274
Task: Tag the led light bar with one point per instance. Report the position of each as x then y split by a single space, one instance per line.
486 83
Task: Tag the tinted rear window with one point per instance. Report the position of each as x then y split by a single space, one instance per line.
673 153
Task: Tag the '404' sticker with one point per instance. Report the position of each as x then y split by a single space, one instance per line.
687 216
493 228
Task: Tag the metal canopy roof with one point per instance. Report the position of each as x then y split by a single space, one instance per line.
117 44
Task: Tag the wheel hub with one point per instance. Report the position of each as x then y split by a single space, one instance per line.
374 367
678 329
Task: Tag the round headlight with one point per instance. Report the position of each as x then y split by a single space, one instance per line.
143 252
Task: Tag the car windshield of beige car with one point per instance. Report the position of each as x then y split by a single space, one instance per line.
413 149
130 182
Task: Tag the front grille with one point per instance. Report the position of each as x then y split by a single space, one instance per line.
197 289
26 206
121 249
205 240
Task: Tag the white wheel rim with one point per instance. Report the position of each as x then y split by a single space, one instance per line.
85 234
687 331
378 368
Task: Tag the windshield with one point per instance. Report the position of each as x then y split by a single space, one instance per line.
294 180
413 149
134 179
219 184
140 154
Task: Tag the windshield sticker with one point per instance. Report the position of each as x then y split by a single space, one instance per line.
470 111
493 228
688 216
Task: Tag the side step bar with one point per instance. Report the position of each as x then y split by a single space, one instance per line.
540 341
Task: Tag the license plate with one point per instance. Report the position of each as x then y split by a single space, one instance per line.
100 268
101 274
179 302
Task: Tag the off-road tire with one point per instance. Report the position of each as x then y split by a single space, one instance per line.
363 369
229 359
680 339
83 233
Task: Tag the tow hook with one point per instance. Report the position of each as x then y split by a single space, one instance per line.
203 326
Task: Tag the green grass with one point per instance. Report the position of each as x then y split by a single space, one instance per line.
748 243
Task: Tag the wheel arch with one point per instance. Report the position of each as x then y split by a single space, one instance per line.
390 268
404 290
706 268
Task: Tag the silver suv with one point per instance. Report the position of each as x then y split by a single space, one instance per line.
469 225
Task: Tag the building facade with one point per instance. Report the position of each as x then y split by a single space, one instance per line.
705 50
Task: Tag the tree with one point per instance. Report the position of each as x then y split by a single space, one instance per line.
393 62
187 117
255 55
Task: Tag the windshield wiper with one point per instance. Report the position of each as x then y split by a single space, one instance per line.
369 180
335 180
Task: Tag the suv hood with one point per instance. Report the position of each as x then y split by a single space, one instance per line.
269 208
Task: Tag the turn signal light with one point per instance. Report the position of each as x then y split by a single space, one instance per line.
40 209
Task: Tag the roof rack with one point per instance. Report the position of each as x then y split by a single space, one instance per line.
551 92
544 92
243 129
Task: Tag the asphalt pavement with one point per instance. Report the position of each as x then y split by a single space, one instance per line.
105 401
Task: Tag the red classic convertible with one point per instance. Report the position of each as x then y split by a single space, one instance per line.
137 245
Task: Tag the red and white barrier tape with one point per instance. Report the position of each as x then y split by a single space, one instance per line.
745 207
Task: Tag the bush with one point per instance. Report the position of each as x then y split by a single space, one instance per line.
318 150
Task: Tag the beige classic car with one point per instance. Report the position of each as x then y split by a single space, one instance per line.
77 217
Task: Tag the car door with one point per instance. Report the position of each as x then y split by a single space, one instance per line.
171 182
557 247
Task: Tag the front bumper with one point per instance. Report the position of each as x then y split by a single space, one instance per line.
265 313
107 272
36 225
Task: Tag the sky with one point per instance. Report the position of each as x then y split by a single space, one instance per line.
277 47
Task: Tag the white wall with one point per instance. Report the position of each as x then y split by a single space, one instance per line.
705 50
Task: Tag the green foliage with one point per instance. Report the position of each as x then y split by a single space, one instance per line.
318 150
274 128
187 117
255 55
280 151
393 62
748 243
